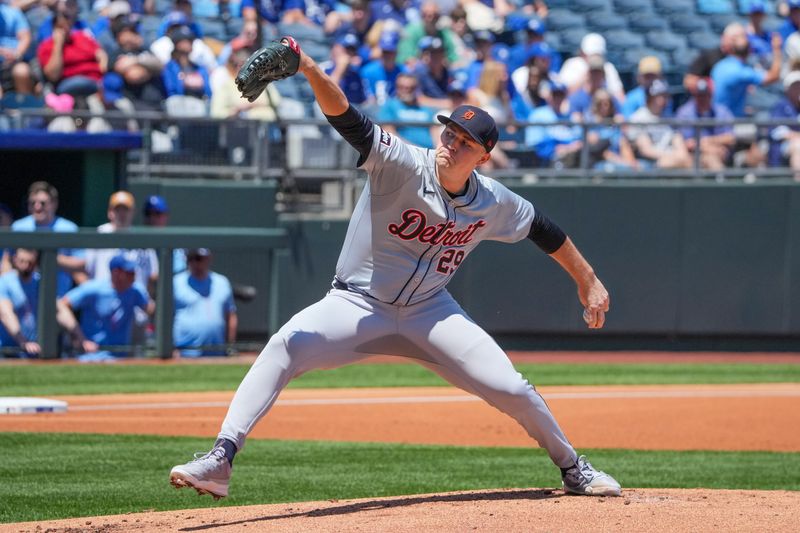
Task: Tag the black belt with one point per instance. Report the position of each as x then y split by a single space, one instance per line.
339 284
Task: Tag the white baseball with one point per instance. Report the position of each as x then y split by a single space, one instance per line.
587 316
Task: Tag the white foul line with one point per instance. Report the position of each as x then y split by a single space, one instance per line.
459 399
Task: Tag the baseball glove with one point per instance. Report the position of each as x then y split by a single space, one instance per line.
276 61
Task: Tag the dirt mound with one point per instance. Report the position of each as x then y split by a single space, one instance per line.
641 510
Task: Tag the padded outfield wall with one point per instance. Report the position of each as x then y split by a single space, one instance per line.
700 265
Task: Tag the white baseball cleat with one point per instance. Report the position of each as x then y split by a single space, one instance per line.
585 480
207 474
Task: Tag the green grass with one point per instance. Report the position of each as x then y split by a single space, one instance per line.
97 379
49 476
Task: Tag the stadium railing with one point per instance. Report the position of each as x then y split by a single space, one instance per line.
164 240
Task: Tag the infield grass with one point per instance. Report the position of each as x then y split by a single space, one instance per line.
24 380
50 476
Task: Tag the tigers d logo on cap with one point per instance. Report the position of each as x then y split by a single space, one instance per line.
476 122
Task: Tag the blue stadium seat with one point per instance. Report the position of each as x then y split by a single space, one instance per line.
668 7
665 40
772 22
620 40
633 6
592 5
553 39
148 28
571 40
645 22
213 28
718 22
562 4
560 19
743 6
715 7
603 22
686 25
702 40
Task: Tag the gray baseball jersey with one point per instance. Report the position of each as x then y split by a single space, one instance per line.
405 241
407 236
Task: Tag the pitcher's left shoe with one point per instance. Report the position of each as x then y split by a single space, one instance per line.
584 479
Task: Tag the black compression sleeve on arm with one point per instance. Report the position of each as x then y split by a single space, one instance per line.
545 233
356 128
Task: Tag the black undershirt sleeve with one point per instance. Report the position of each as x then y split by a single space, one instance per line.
356 128
545 233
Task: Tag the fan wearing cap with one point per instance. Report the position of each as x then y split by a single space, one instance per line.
205 313
575 70
181 75
421 213
380 74
659 145
406 107
107 309
344 68
134 78
520 53
156 215
792 22
433 72
716 142
71 9
553 144
580 101
758 36
649 70
179 22
121 206
785 139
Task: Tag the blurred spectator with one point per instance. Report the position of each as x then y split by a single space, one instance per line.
539 55
701 65
400 12
484 40
575 71
520 53
72 60
249 38
156 215
530 97
181 75
285 11
106 309
558 145
463 40
227 101
491 94
15 41
380 74
733 77
121 206
344 67
716 142
432 72
758 37
580 101
405 107
42 206
609 150
134 79
792 22
200 53
6 218
648 71
139 7
205 313
785 139
657 144
428 26
357 20
102 27
19 300
488 15
71 9
180 15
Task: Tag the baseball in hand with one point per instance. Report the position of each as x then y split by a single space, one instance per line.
587 315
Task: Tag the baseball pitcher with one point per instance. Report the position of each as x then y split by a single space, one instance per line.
420 215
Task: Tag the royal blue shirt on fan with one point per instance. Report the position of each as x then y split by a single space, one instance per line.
732 78
24 297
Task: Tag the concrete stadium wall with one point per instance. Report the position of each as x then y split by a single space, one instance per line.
680 261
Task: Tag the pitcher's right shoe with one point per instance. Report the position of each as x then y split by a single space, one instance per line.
207 474
584 479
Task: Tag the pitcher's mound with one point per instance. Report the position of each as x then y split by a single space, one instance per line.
507 510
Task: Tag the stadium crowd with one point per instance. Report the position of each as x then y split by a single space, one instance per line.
105 296
406 60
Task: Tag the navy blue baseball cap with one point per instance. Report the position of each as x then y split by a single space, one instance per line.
155 204
388 41
348 40
536 26
476 122
435 43
756 6
122 263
